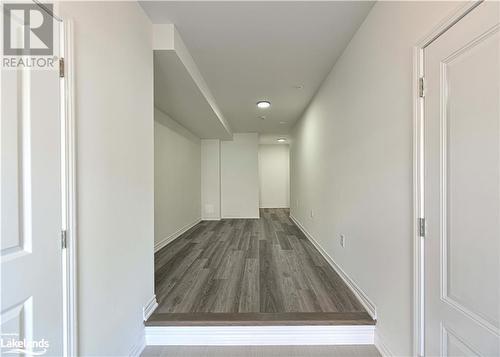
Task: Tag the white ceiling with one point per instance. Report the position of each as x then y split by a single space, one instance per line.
272 139
248 51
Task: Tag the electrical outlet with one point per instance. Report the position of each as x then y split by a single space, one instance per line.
342 241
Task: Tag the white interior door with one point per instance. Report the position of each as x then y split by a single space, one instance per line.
462 187
31 261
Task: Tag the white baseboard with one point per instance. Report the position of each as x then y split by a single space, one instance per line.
149 308
139 345
175 235
259 335
381 345
360 294
210 218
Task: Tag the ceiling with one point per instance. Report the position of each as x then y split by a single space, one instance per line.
272 139
249 51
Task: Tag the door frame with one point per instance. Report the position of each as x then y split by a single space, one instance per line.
68 175
68 183
419 172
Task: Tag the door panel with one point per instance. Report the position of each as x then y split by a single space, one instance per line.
471 211
31 262
462 187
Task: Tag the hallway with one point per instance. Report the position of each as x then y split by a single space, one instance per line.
250 178
250 271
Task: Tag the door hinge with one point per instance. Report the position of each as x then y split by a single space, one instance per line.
421 87
421 227
61 67
64 240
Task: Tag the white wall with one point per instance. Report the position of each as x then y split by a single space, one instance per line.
210 179
114 128
351 161
239 176
177 178
274 176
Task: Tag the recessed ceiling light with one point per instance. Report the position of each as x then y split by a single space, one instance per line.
281 140
298 86
263 117
263 104
282 122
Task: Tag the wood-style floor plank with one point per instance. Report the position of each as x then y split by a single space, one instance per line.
252 270
249 300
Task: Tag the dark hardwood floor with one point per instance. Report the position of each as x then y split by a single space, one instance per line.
250 271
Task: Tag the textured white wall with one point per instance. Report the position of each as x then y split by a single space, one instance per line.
240 177
351 161
114 128
177 177
210 179
274 176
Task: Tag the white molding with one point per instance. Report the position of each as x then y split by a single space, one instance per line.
259 335
211 219
69 176
381 345
461 10
149 308
418 173
159 245
139 345
418 207
446 332
360 294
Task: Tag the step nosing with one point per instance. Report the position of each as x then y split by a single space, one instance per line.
256 319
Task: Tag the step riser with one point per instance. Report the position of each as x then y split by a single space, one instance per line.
259 335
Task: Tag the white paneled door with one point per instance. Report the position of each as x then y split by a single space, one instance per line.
31 214
462 187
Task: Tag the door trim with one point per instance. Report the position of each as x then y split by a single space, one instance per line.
418 173
70 299
68 179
